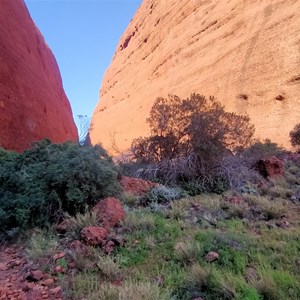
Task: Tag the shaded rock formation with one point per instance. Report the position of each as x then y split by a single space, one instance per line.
246 53
33 104
270 166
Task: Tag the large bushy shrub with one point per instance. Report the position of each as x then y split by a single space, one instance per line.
38 186
189 139
259 149
196 124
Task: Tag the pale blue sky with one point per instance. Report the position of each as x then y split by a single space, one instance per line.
83 35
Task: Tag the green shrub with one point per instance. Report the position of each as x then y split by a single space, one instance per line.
268 209
40 185
162 194
85 284
178 209
130 199
209 283
295 136
108 267
260 149
211 183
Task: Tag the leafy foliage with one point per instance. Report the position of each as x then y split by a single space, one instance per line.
195 124
38 186
189 139
295 136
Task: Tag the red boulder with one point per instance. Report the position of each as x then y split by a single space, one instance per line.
93 235
270 166
78 247
110 212
136 186
212 256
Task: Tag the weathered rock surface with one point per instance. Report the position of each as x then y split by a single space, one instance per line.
110 212
212 256
33 104
246 53
78 247
93 235
136 186
270 166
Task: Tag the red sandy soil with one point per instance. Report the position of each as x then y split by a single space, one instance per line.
14 269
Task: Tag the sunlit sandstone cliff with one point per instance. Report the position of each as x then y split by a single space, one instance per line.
247 53
33 104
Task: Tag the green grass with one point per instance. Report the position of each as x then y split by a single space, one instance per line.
164 254
164 257
41 244
76 223
130 199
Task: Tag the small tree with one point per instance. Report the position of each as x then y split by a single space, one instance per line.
196 124
40 185
295 136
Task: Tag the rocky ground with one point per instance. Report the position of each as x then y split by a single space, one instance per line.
231 246
22 280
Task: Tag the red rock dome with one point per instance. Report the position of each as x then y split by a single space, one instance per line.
33 104
246 53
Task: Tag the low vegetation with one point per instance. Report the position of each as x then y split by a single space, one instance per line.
212 227
295 136
40 185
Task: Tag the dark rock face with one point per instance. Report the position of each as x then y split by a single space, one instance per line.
33 104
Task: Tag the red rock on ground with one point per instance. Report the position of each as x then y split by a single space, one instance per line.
13 283
270 166
110 212
59 255
55 291
3 267
78 247
251 274
136 186
35 275
33 104
212 256
93 235
109 247
48 282
60 269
